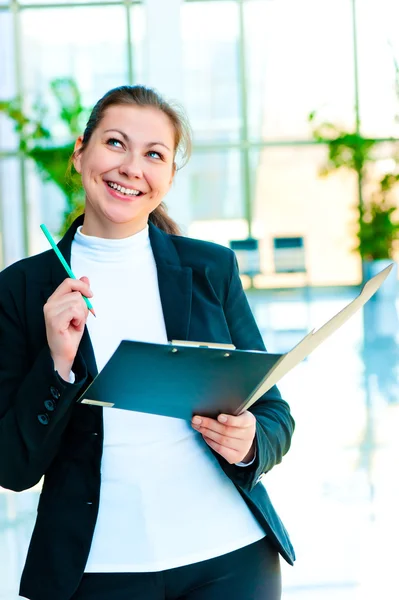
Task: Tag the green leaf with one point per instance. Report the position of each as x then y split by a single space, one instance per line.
38 141
378 226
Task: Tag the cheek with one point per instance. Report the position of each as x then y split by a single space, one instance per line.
94 165
164 180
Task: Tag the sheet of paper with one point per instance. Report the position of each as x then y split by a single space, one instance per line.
315 338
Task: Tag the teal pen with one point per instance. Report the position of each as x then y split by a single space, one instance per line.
64 263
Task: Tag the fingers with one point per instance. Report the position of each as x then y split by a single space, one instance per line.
65 315
64 304
57 304
67 301
234 443
220 440
69 285
230 454
239 427
70 309
234 451
210 427
232 439
244 420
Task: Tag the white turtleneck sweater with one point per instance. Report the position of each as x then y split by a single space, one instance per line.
165 501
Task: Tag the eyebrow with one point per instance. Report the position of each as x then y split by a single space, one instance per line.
127 139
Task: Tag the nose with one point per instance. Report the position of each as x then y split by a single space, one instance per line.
131 166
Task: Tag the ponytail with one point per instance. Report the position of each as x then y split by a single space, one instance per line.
160 218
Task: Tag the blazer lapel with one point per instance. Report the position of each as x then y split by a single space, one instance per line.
175 285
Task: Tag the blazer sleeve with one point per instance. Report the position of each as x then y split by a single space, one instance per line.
274 423
35 403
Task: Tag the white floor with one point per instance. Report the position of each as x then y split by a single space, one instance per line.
338 488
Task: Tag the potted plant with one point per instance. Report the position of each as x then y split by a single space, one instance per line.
39 143
377 218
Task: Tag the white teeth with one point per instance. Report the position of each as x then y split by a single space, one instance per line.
123 190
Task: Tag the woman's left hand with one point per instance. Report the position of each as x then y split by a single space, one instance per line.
231 437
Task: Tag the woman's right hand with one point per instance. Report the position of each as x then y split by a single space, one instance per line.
65 315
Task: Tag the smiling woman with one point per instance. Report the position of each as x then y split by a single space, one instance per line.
127 159
125 175
134 505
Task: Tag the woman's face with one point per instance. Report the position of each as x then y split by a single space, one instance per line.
126 168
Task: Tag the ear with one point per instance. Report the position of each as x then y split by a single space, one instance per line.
77 154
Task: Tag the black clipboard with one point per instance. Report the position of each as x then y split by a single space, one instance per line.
181 379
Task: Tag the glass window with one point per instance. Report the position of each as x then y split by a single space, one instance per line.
47 204
75 42
290 199
215 192
215 185
299 58
33 2
210 34
11 220
138 27
378 46
8 138
63 43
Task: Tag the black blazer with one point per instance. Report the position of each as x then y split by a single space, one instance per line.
43 431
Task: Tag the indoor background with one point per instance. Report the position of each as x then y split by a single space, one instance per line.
249 73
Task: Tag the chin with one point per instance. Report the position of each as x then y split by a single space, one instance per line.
122 215
124 218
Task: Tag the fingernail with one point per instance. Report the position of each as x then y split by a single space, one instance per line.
222 418
197 421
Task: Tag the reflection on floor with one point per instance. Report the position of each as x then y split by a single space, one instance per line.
338 489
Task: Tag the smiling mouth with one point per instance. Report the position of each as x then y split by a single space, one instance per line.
123 190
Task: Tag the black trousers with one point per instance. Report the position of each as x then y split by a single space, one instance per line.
250 573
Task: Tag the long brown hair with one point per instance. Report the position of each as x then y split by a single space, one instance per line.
139 95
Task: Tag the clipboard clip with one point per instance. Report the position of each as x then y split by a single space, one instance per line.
191 344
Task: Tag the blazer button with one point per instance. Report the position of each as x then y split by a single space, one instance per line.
43 419
54 392
49 405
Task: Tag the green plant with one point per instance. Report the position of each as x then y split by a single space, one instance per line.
378 225
38 142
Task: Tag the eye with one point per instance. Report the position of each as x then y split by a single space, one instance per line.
154 154
113 142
